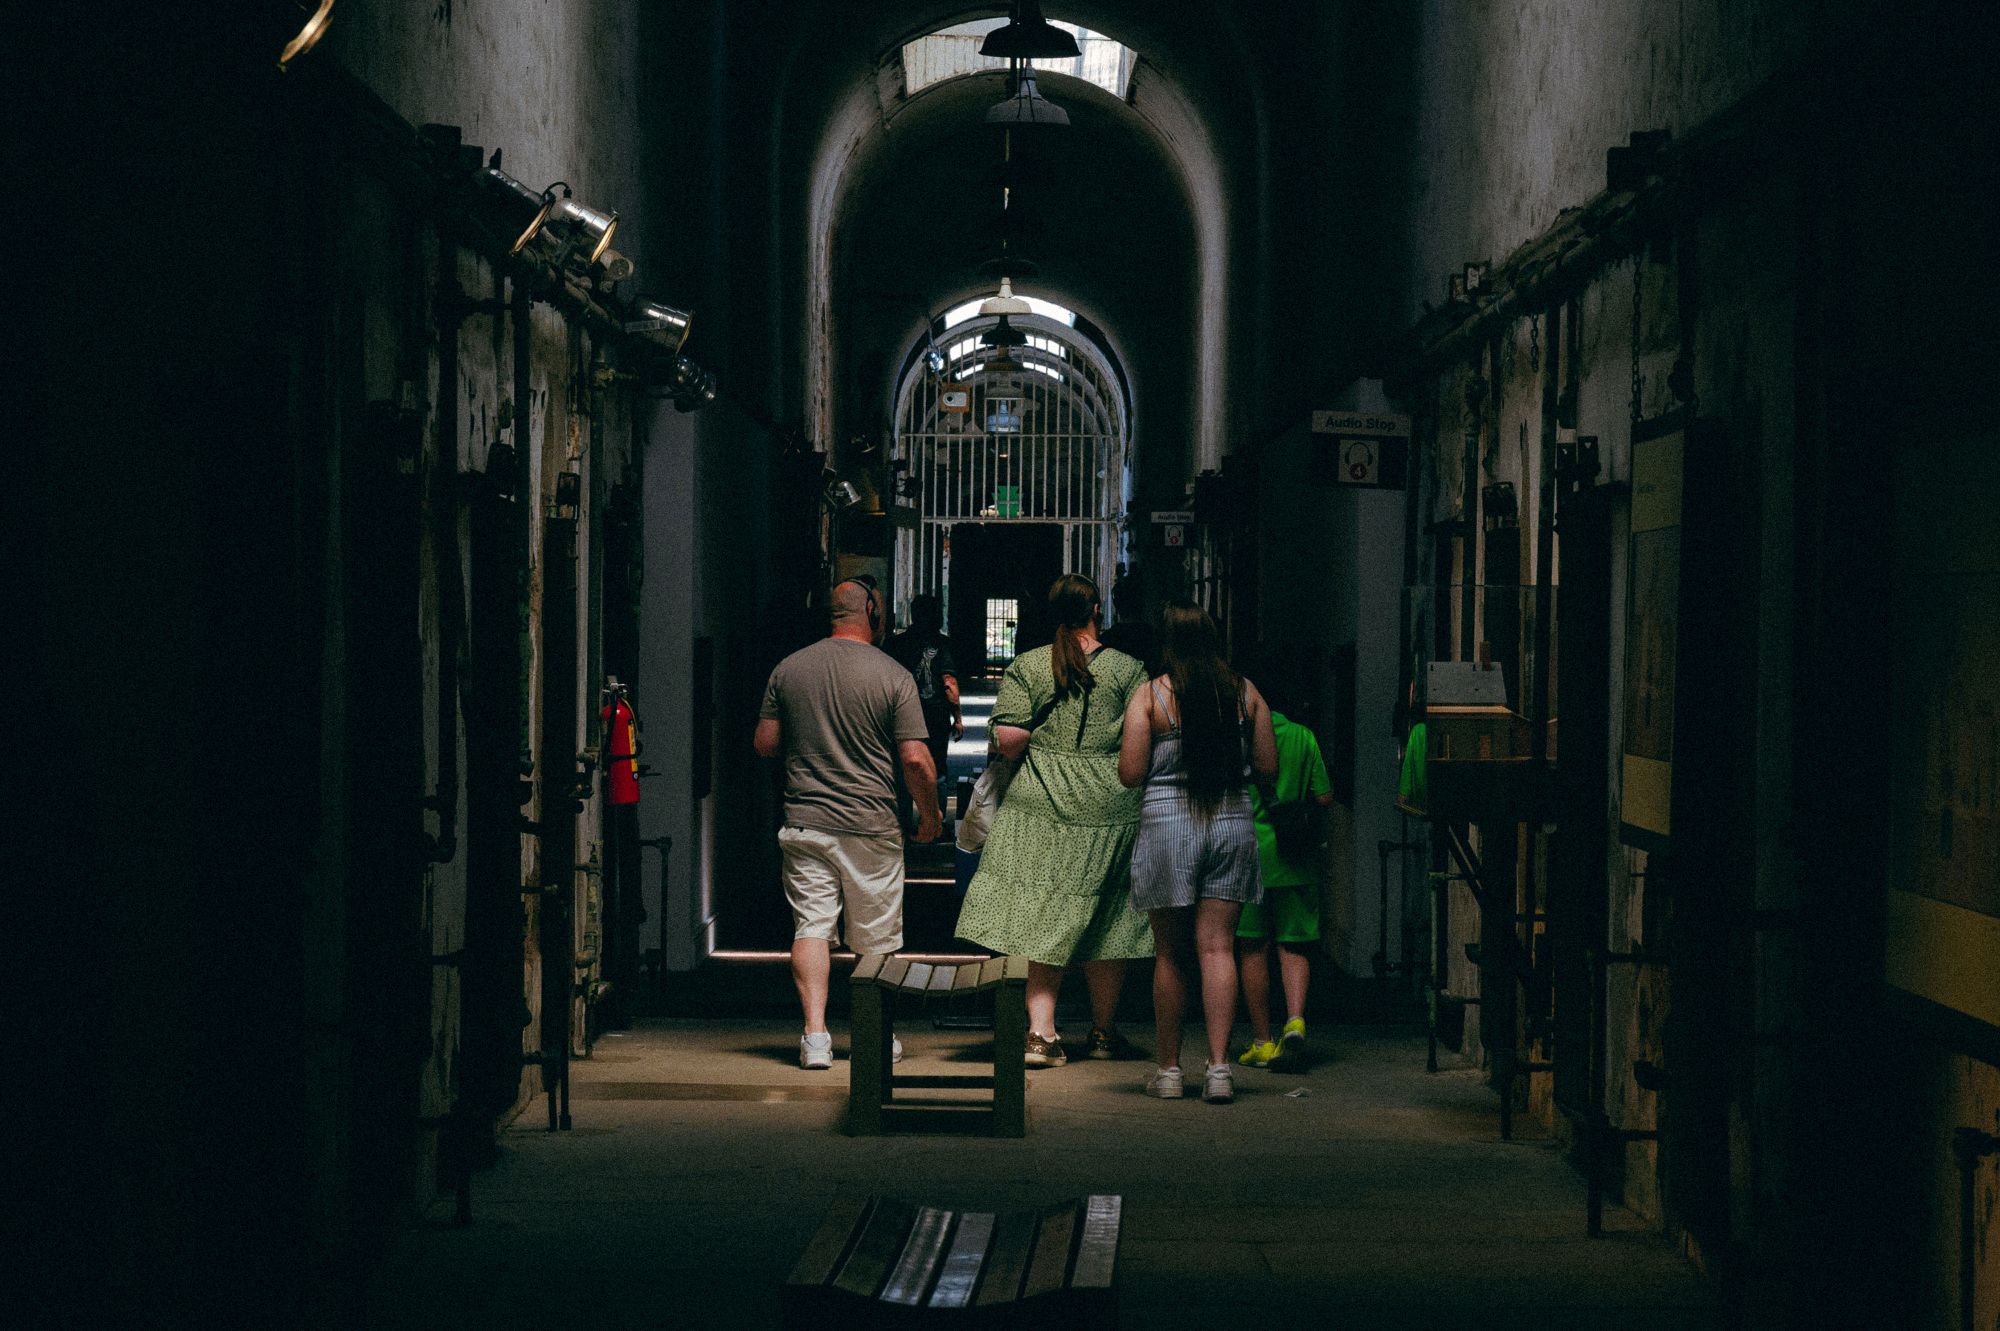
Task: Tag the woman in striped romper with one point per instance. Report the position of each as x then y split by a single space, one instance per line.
1195 738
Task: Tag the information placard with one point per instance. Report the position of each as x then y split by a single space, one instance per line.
1652 622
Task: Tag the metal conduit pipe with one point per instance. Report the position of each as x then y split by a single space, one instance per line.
1715 157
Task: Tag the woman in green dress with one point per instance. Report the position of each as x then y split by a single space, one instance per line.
1054 875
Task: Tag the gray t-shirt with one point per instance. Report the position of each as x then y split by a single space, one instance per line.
842 707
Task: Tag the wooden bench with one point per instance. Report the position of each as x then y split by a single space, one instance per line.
879 1262
872 1101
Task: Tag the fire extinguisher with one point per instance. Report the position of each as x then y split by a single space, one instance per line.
621 729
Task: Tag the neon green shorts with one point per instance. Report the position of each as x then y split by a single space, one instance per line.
1294 907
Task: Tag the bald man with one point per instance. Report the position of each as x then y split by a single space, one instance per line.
843 715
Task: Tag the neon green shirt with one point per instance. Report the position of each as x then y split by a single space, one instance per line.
1301 775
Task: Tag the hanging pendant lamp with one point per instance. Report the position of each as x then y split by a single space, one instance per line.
1004 335
1006 302
1028 36
1027 106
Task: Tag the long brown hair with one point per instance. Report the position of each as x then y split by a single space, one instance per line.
1073 606
1207 694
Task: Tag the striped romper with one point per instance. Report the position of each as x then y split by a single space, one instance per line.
1180 855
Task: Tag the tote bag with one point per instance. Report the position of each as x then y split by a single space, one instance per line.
987 792
991 788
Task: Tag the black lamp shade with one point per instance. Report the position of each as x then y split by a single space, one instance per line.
1004 334
1028 36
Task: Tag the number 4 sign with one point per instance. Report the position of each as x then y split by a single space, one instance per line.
1361 448
1360 461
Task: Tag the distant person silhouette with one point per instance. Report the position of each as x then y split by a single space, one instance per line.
925 651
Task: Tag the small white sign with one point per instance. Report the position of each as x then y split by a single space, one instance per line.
1178 516
1360 461
1387 424
1176 535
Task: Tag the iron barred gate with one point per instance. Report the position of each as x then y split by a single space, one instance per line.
1039 438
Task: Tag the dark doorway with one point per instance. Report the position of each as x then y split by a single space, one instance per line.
993 564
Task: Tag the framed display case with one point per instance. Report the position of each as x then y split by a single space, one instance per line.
1652 631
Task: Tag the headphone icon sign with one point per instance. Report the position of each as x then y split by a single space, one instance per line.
1359 458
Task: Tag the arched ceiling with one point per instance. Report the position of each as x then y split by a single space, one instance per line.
1193 96
1117 239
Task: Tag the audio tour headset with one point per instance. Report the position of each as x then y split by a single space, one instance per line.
866 581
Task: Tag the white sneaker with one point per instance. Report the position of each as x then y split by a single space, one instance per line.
1165 1083
816 1049
1219 1087
895 1050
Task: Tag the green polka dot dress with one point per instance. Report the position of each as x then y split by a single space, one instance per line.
1053 881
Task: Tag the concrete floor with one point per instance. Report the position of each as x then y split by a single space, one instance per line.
1361 1193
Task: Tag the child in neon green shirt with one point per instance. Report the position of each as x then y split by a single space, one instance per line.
1289 915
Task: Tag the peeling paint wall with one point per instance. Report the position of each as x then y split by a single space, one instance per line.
1519 101
554 89
1516 105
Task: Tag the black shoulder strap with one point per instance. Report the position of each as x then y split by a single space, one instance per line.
1042 714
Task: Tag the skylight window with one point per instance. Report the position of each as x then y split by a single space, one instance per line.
967 371
954 51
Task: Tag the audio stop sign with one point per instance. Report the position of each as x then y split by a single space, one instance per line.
1360 448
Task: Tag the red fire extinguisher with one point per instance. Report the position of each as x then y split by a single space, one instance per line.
621 729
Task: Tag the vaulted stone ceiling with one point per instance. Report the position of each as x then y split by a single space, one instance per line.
1143 212
1113 232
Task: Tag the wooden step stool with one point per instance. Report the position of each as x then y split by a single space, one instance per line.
871 1100
878 1262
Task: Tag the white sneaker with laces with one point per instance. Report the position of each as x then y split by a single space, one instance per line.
895 1050
1219 1087
816 1049
1165 1084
